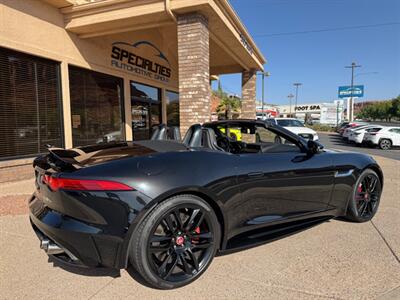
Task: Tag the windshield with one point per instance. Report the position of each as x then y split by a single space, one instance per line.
249 134
289 123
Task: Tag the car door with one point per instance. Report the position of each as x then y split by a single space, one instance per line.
395 135
276 186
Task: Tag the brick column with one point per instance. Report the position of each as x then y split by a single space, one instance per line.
194 70
248 94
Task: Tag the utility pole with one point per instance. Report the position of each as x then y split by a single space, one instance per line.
262 97
296 84
290 96
350 113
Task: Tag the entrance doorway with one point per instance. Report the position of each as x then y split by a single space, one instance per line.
146 110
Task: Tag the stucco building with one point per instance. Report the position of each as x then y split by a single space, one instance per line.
75 72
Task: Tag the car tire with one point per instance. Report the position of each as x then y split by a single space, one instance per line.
187 257
385 144
365 198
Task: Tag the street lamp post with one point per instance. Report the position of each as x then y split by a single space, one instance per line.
296 84
290 96
351 104
263 75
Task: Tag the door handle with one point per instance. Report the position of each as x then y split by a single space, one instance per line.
255 174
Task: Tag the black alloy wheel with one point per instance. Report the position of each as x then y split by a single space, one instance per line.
180 242
366 197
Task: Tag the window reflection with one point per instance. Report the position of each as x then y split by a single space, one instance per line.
96 107
172 108
146 109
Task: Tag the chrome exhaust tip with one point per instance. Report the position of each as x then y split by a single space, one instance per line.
50 248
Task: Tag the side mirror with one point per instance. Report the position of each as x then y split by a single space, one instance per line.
314 147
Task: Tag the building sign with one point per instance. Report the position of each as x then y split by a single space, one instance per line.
307 108
348 91
331 113
141 58
246 44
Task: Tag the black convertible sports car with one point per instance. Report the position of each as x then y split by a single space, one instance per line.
168 207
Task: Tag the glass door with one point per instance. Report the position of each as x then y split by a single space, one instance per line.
140 120
146 110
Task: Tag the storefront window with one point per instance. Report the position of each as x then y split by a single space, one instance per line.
96 107
30 105
146 109
172 108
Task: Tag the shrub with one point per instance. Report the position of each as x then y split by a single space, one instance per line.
321 127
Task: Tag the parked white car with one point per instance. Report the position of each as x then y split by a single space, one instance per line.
357 135
385 138
349 130
296 127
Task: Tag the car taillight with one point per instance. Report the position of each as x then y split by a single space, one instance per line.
84 184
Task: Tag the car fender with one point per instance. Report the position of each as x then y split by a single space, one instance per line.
385 138
201 192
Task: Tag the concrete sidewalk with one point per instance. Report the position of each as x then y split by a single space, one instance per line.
335 260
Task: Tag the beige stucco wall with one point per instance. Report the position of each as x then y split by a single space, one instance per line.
34 27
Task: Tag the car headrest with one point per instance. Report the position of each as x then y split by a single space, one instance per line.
159 132
174 133
209 140
190 135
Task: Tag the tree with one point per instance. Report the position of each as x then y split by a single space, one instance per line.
228 105
382 110
395 107
220 93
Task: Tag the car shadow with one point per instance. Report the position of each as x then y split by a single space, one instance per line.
262 236
137 277
241 243
84 271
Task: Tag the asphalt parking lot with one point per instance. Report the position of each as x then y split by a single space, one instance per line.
333 140
334 260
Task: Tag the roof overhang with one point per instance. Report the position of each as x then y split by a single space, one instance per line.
60 3
227 33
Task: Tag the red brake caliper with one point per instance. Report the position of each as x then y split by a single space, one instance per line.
359 189
197 230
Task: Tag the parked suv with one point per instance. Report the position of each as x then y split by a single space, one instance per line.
296 127
385 138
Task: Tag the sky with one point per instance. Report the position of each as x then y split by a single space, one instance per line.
318 59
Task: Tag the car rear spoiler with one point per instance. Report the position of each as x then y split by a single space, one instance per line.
72 157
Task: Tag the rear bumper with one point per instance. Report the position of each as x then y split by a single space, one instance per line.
356 139
75 241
